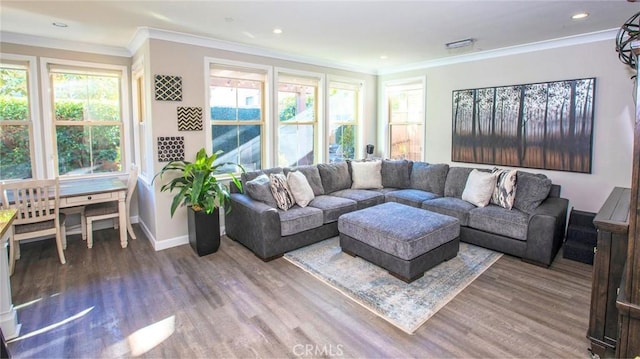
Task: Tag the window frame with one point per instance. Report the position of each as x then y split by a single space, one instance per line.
49 118
387 86
34 123
359 109
266 154
142 125
320 120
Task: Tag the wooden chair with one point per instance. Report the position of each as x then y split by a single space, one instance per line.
100 211
37 203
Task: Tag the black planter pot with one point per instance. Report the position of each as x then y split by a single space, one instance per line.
204 231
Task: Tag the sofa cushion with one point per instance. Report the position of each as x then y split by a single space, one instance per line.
260 190
456 180
396 173
504 193
409 197
366 175
450 206
429 177
479 188
333 207
363 197
313 176
335 176
532 190
300 188
281 192
498 220
298 219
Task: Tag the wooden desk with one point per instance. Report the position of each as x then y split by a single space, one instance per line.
8 314
82 192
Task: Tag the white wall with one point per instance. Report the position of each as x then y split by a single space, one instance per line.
188 61
614 110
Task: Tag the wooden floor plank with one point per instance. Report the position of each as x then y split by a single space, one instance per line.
231 304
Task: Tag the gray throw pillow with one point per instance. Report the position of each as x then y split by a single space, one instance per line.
429 177
313 176
248 176
396 173
335 176
456 181
259 190
532 190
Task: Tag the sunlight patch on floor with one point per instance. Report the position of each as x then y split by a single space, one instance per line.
52 326
145 339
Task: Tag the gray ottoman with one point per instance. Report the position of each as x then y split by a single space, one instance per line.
406 241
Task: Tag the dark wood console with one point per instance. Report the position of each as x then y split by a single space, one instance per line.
612 223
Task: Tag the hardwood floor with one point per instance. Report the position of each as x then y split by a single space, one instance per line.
114 302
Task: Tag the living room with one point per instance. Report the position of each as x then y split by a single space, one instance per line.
152 52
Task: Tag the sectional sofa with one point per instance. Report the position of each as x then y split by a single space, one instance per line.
531 228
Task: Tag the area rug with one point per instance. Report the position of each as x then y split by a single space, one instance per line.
407 306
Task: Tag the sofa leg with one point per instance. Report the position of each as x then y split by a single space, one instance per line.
346 251
269 259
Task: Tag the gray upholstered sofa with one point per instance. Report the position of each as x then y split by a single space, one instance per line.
532 230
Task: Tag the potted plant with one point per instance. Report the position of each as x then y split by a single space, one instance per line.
198 188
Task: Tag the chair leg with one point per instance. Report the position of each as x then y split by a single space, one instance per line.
89 233
63 234
83 224
130 229
59 244
12 255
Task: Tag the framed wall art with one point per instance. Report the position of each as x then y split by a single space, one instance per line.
542 125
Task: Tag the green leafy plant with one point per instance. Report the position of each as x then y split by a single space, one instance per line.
197 185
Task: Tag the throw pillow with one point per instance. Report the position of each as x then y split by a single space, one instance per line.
479 188
335 176
366 175
429 177
396 173
505 192
259 190
456 180
281 192
532 190
313 177
300 188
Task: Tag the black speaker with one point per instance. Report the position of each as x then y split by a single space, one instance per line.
370 149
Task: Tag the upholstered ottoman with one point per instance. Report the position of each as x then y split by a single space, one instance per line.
404 240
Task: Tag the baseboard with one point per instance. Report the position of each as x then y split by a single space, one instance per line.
164 244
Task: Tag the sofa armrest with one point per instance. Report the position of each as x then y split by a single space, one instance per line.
252 223
546 230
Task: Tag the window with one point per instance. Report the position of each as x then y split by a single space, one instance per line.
16 125
406 120
297 120
344 106
142 128
236 99
87 121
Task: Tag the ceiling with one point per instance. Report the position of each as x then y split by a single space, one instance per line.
354 34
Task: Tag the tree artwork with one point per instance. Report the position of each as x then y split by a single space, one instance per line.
544 125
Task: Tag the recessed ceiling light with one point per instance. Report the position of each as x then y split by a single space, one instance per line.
458 44
580 15
59 24
277 31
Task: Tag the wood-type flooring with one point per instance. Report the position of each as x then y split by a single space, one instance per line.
109 302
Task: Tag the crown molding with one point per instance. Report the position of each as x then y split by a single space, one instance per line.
604 35
144 33
39 41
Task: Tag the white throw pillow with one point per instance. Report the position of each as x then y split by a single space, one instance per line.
366 175
479 188
300 188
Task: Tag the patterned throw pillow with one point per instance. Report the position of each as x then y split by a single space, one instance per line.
281 192
504 194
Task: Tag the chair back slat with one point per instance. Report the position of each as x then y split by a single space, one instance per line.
35 200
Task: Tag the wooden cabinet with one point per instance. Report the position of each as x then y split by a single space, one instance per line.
612 223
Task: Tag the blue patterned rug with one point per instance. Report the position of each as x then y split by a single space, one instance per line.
407 306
